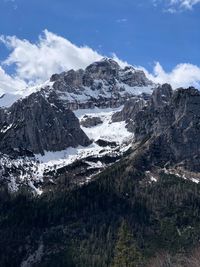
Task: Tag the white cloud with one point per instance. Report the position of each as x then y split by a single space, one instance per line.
187 4
123 20
10 84
183 75
119 61
36 62
172 6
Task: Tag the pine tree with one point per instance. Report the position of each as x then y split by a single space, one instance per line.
126 252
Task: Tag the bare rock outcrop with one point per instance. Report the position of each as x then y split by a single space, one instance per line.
37 125
168 129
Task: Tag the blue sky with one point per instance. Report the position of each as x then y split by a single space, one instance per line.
140 32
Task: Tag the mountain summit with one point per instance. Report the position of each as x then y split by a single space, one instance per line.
43 122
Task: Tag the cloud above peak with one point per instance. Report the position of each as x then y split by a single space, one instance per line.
34 63
10 84
182 75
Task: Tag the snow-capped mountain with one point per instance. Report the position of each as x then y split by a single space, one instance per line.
103 82
80 122
95 148
66 120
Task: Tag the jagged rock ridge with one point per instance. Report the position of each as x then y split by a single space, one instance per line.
168 127
101 84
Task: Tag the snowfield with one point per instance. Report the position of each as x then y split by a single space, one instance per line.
30 171
108 131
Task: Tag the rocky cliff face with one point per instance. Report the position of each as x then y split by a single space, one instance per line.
129 111
37 124
168 129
